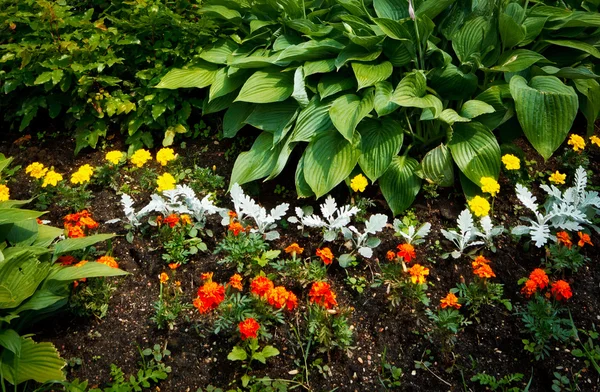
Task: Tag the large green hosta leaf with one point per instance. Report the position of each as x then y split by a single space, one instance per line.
38 361
267 87
312 120
381 141
199 77
348 110
329 160
517 60
399 184
257 163
411 92
20 275
437 167
383 99
546 109
391 9
369 74
475 151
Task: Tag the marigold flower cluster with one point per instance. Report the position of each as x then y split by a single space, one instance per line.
561 290
165 182
36 170
76 224
321 294
4 192
359 183
114 157
479 206
406 251
450 301
538 280
489 185
557 178
482 268
511 162
325 255
236 282
278 297
294 249
172 220
140 157
165 155
236 228
577 142
417 273
210 295
562 237
51 178
109 261
82 175
249 328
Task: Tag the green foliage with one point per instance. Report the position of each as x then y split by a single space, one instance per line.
355 84
169 305
561 258
328 330
501 384
479 293
91 298
242 250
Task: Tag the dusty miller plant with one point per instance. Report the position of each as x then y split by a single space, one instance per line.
333 220
488 232
568 210
411 234
363 242
465 237
245 207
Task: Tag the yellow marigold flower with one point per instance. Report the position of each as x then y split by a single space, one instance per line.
4 192
52 178
82 175
164 278
595 140
359 183
36 170
577 142
557 178
479 206
511 162
417 273
114 157
165 182
489 185
165 155
140 157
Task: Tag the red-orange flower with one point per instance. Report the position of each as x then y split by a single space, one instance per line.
564 238
325 255
249 328
174 266
210 295
561 290
206 275
539 277
236 228
530 288
277 297
294 249
261 285
87 222
171 220
417 273
584 239
451 301
75 232
236 282
484 271
66 260
479 261
110 261
407 252
390 255
321 294
292 301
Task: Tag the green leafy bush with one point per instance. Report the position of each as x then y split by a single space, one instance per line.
358 83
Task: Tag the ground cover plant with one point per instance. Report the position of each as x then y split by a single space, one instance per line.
430 222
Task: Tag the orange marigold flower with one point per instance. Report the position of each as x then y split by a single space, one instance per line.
75 232
171 220
530 288
261 285
66 260
417 273
159 220
451 301
174 266
390 255
249 328
294 249
321 294
210 295
87 222
207 276
108 260
177 283
479 261
74 218
292 301
277 297
185 219
484 271
561 290
236 282
540 278
584 239
564 238
325 255
231 214
81 263
164 278
236 228
407 252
